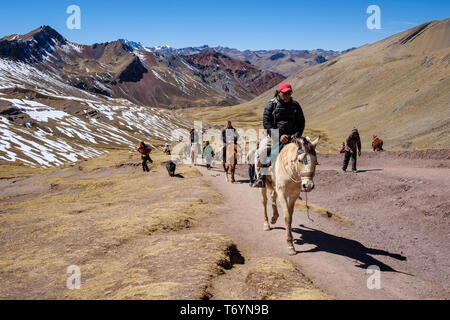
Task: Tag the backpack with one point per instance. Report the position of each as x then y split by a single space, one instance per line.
274 102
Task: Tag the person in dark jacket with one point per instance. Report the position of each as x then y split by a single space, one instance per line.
145 150
286 115
352 145
229 135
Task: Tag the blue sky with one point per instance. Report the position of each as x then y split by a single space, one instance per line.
245 24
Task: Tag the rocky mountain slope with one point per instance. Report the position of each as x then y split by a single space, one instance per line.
38 127
122 69
232 76
47 121
284 62
60 101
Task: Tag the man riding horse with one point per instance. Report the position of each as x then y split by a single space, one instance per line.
230 138
286 115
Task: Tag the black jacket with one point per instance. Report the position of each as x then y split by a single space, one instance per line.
194 136
235 134
353 143
287 117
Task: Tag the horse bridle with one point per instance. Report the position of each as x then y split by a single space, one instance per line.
308 174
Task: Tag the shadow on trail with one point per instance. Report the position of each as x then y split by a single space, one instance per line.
345 247
212 168
368 170
243 181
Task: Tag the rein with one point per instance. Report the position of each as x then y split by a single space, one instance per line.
307 207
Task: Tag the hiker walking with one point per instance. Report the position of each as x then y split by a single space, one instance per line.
286 115
352 145
145 150
208 154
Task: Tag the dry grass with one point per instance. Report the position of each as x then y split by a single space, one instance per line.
178 266
129 232
96 214
18 171
274 278
326 213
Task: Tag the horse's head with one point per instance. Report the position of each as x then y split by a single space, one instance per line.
306 161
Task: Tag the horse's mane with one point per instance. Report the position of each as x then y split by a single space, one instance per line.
308 147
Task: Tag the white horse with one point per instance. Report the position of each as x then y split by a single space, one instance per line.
292 174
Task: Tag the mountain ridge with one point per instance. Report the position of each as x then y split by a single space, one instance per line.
295 60
122 69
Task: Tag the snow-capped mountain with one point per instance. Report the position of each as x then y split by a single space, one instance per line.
46 120
164 50
135 45
122 69
285 62
61 101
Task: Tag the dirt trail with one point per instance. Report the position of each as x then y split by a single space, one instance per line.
400 213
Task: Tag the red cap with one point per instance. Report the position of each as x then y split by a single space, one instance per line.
285 87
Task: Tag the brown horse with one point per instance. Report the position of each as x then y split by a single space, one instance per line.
377 144
230 160
293 173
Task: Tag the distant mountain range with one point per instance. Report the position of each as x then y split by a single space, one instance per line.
122 69
285 62
61 101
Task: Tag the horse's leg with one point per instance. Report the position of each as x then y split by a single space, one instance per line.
275 215
288 222
225 167
225 170
264 202
233 169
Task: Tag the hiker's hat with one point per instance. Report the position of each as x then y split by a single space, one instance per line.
285 87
